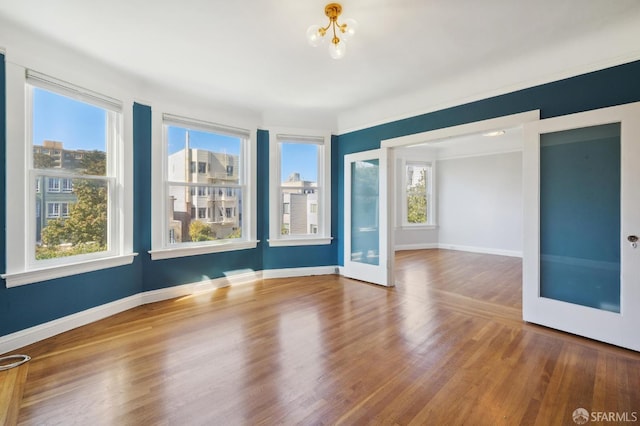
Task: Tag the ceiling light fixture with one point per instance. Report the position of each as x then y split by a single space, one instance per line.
494 133
339 32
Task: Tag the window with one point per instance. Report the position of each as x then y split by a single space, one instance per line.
53 210
67 185
300 188
418 200
56 210
203 200
75 207
53 185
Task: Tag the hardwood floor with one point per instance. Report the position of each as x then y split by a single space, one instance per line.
446 346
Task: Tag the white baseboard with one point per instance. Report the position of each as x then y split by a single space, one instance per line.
34 334
19 339
472 249
299 272
485 250
232 278
424 246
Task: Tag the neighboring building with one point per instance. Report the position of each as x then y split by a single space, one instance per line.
299 206
62 158
212 203
54 195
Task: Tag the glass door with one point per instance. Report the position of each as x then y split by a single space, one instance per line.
582 214
366 217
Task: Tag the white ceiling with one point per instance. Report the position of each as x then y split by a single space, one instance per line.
409 56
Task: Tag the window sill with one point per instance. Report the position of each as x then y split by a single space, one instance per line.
285 242
195 250
31 276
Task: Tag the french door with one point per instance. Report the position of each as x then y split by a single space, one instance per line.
581 263
366 218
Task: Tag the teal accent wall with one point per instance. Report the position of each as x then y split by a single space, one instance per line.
612 86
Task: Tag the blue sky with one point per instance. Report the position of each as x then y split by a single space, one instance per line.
82 126
300 158
202 140
76 124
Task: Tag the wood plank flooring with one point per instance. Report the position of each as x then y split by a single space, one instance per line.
446 346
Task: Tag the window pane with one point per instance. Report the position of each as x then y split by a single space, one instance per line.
212 216
365 208
202 157
298 215
70 137
299 162
299 191
580 216
68 134
417 193
75 222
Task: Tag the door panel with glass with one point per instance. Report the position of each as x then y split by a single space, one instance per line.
366 217
581 274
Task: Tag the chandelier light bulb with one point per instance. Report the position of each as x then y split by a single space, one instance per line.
315 35
348 28
337 50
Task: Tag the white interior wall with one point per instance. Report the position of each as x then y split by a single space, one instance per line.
479 201
478 195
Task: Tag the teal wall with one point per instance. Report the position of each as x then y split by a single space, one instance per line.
612 86
29 305
33 304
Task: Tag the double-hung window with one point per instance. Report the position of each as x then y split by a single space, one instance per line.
206 197
300 199
418 203
73 143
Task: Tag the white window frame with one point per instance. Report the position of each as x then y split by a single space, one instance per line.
22 268
431 213
161 246
323 139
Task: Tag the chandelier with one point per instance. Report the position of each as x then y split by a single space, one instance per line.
338 33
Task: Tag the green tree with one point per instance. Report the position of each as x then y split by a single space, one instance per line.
199 231
94 163
87 222
55 233
235 234
86 227
417 201
42 161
